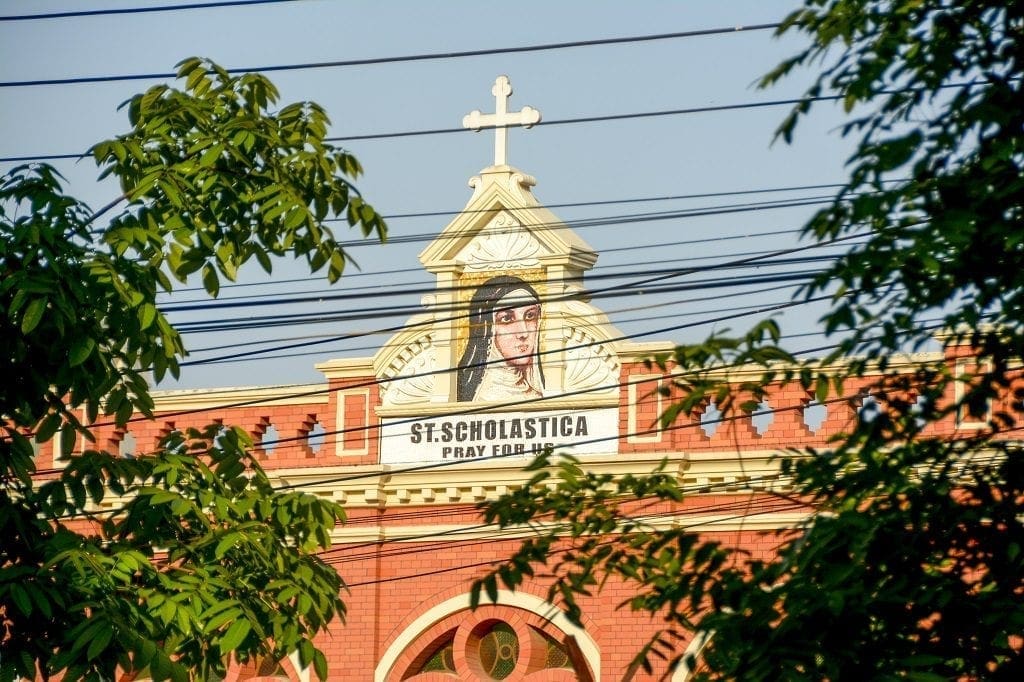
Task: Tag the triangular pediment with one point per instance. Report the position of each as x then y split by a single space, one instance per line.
503 227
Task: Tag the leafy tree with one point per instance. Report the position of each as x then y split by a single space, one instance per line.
201 559
913 568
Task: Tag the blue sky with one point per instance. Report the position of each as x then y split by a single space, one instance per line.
702 153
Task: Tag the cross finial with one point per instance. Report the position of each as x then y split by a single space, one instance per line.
501 119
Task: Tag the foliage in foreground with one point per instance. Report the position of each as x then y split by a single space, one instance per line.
913 566
199 560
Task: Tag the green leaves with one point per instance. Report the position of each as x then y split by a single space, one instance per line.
233 637
210 178
213 156
33 315
912 568
210 280
230 578
80 350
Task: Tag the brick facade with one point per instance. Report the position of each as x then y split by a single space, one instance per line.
413 541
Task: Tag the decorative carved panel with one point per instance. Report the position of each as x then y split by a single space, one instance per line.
502 244
416 362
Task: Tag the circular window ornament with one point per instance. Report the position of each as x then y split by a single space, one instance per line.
498 651
498 642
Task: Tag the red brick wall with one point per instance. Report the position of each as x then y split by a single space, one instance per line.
393 583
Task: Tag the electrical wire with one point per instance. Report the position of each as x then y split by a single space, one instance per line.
490 407
376 381
619 320
660 113
425 286
452 130
550 122
307 393
615 220
350 551
136 10
469 410
350 296
430 539
381 381
688 242
603 118
700 487
461 309
432 56
480 564
703 423
649 285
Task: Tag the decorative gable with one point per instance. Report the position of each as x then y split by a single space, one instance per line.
508 356
503 235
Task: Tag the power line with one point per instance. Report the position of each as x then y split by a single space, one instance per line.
518 403
547 122
630 200
617 311
486 408
601 220
773 504
431 56
806 99
601 118
481 564
136 10
319 297
650 283
649 280
603 439
767 506
382 312
480 408
632 320
444 464
552 122
574 224
375 381
459 310
420 284
614 220
699 487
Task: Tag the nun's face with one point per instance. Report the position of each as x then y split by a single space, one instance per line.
515 333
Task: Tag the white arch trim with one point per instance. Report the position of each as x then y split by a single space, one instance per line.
521 600
682 673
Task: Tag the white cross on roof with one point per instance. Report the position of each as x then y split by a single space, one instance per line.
501 119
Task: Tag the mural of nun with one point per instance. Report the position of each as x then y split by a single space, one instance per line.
502 360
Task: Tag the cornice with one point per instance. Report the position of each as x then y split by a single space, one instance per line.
216 398
468 482
475 532
347 368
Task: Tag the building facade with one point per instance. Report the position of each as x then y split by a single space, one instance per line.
509 356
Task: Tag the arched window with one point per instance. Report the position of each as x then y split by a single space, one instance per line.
494 642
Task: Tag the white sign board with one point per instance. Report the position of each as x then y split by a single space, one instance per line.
504 434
